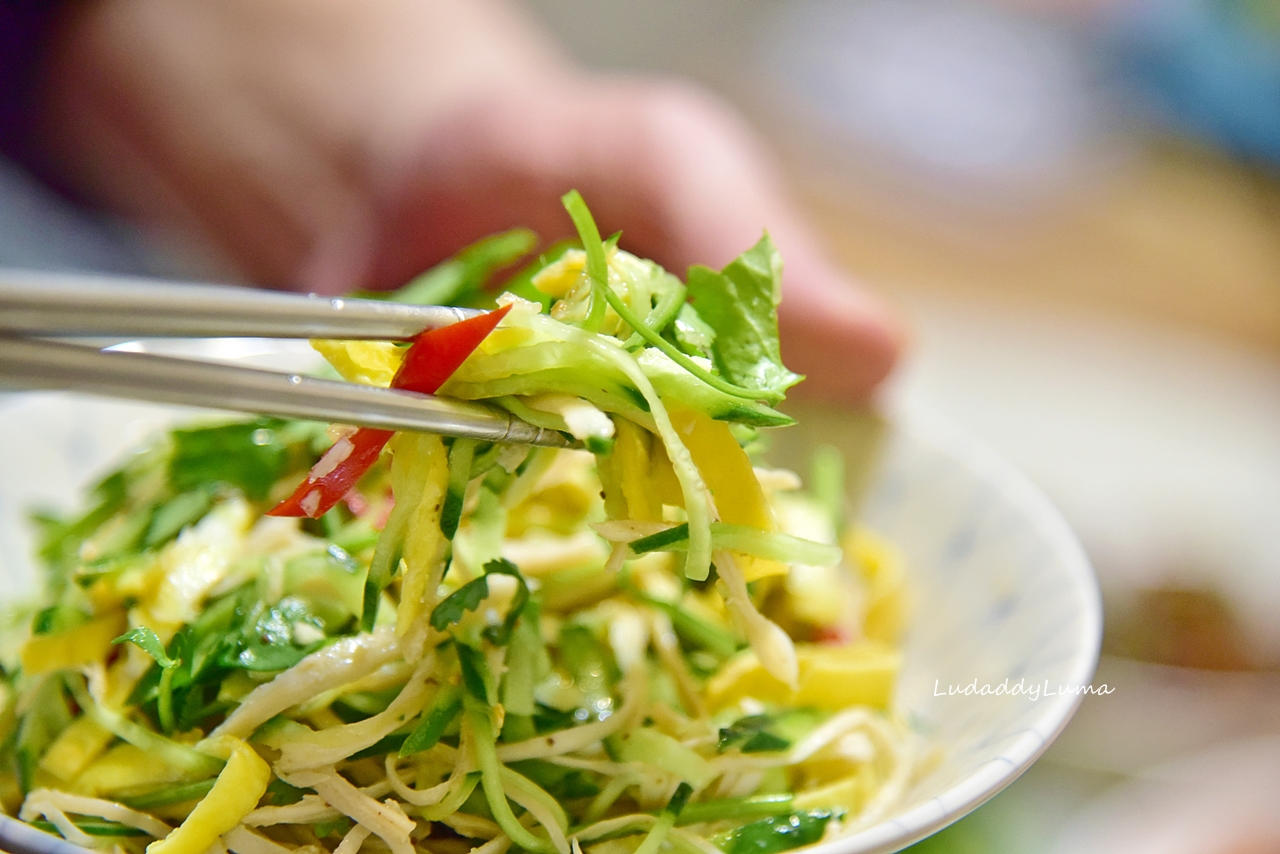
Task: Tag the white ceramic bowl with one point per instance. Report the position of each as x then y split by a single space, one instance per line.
1001 589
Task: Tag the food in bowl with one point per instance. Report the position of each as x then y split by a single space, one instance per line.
268 635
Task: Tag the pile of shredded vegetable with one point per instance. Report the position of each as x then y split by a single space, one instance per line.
269 636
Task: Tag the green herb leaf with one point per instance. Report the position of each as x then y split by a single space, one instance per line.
771 835
146 640
280 793
500 634
692 333
741 304
466 598
56 619
251 455
267 641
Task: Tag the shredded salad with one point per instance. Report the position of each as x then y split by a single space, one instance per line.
268 636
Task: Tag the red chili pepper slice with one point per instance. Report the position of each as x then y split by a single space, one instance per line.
431 360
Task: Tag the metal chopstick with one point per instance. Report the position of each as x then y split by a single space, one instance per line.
71 305
37 364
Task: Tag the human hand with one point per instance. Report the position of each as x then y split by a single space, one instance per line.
326 145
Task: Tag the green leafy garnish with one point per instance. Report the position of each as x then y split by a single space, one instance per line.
146 640
266 641
675 806
251 455
740 302
477 679
771 835
501 633
466 598
469 596
752 734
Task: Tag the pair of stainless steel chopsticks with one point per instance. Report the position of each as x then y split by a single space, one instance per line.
36 307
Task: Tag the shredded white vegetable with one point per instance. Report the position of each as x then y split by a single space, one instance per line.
354 838
773 645
242 840
309 810
384 819
314 749
39 800
337 664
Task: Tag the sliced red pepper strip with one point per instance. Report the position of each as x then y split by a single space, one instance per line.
437 353
431 360
316 495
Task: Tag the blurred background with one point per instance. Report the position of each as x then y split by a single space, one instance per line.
1077 204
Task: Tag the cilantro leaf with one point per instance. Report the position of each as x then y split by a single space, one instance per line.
251 455
146 640
741 304
771 835
466 598
500 634
469 596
